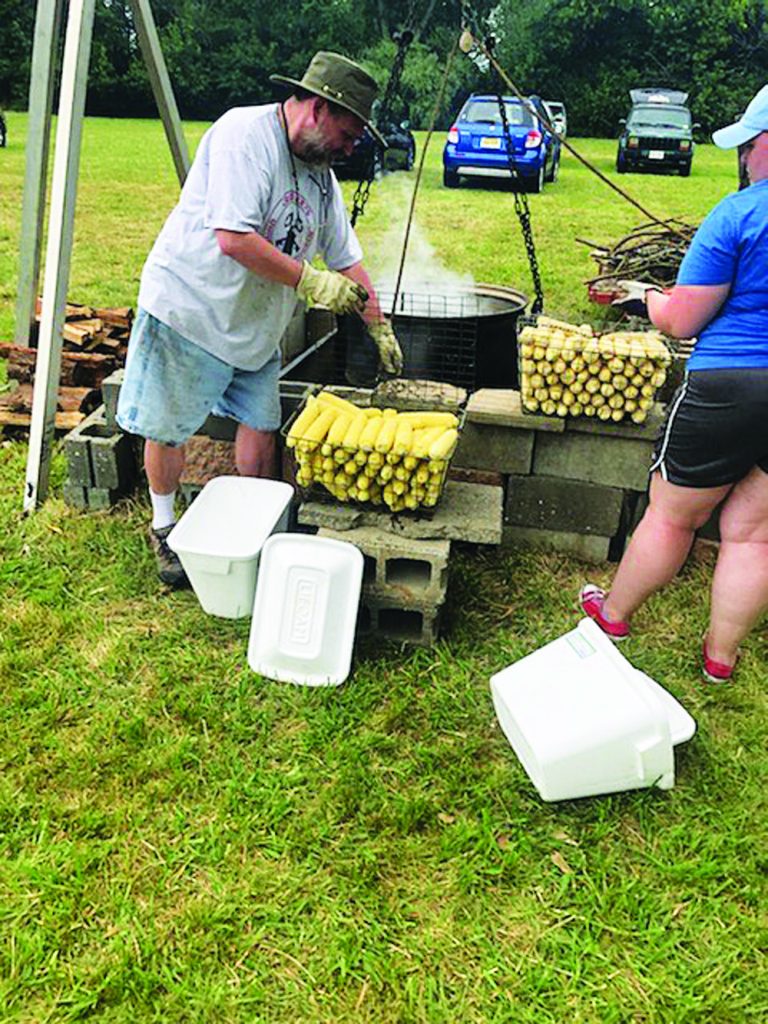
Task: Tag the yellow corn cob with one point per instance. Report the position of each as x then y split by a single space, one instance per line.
403 437
422 420
318 428
308 414
386 436
354 430
370 433
328 398
444 445
423 440
339 428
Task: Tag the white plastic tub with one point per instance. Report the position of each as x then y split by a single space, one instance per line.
583 721
220 536
305 612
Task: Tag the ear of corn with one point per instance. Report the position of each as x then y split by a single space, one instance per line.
384 457
566 370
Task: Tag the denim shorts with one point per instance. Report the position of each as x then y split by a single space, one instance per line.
716 428
171 385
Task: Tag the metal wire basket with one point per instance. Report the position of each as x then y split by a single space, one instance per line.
572 370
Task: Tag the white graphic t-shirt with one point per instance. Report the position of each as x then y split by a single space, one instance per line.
241 180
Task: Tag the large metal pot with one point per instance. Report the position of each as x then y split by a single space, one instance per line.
465 337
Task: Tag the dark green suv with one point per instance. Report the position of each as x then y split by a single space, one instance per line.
658 132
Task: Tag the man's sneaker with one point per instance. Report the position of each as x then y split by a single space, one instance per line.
169 568
592 599
714 671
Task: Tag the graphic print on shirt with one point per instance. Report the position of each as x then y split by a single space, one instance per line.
291 225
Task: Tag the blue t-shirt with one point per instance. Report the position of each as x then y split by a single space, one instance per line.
731 247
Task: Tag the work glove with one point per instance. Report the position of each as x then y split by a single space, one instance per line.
390 353
330 289
632 297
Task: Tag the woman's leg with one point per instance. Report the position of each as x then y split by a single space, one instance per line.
660 544
740 583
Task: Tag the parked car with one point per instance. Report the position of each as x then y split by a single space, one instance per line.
476 147
558 117
658 132
399 155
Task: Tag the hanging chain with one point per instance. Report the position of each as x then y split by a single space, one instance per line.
522 210
403 40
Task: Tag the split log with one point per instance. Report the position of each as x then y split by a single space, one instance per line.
78 369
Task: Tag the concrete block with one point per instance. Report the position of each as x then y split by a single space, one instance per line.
468 512
90 498
499 449
99 456
585 546
613 461
110 393
416 626
475 476
502 408
570 506
400 570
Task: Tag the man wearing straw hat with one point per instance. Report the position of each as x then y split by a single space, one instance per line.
220 284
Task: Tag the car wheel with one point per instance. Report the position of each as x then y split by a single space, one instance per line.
450 178
621 164
536 183
685 170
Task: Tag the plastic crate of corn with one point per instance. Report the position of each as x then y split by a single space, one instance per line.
569 370
370 455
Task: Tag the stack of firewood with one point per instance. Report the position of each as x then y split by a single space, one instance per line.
94 345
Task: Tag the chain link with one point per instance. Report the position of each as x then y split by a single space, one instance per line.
523 211
403 40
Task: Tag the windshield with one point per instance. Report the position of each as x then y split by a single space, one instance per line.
487 112
659 117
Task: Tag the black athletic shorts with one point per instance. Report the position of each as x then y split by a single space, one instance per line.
716 428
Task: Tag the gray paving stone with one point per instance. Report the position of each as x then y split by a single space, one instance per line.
468 512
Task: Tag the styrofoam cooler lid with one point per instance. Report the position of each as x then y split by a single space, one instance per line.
682 726
231 517
305 611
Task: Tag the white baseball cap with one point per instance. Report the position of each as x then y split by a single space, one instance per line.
752 122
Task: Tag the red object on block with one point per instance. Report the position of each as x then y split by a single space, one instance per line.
604 297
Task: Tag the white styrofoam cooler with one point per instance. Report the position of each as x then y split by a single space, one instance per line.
305 611
583 721
221 534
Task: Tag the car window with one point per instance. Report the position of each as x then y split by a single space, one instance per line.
659 117
487 112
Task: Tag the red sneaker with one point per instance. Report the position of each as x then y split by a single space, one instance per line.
592 599
714 671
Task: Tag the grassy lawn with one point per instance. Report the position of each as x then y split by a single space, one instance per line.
182 841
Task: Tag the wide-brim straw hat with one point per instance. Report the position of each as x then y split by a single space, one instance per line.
339 80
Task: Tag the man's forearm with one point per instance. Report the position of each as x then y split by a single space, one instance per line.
259 256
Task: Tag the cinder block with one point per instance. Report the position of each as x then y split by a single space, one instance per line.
647 431
400 570
570 506
416 626
99 457
499 449
91 498
110 393
612 461
585 546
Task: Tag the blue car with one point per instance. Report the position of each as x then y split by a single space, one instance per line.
476 147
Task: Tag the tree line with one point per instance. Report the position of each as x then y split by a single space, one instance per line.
586 53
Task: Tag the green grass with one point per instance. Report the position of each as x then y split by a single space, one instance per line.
181 840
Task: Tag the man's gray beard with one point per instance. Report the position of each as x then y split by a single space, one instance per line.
313 149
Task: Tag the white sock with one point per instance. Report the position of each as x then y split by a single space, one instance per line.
162 509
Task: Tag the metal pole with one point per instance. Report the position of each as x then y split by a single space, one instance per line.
47 25
77 50
161 85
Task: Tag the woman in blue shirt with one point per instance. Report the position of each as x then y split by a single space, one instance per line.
714 446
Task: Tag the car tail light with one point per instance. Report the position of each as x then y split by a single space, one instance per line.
453 135
633 142
685 145
533 139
